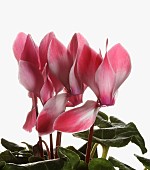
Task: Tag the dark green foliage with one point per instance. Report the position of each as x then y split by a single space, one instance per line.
115 133
11 146
72 159
108 131
100 164
144 161
119 164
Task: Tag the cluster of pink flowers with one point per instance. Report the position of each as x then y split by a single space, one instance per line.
59 76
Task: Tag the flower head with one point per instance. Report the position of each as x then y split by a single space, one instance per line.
104 77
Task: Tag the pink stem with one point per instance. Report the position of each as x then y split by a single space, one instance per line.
47 149
89 144
58 143
40 147
51 146
34 104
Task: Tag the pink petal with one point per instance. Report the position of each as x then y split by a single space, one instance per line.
34 99
76 86
51 110
87 64
45 72
30 120
105 79
59 61
30 77
119 60
47 91
74 100
30 52
43 48
76 44
78 119
19 44
74 49
56 83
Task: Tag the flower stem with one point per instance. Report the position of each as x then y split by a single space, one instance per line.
93 150
51 146
34 104
89 144
41 147
47 149
105 151
58 143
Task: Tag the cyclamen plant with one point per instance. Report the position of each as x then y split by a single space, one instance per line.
57 76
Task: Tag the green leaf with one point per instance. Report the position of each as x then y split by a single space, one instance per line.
72 159
81 155
105 137
11 146
138 139
23 153
8 157
22 156
102 120
100 164
56 164
11 166
30 147
119 164
82 166
116 121
103 115
2 164
118 135
144 161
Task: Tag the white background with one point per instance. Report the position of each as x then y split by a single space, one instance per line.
124 21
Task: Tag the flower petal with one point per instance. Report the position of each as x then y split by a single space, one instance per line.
30 77
43 48
78 119
30 52
47 91
76 86
51 110
120 61
76 44
58 86
87 64
30 120
74 100
59 61
74 49
19 44
105 79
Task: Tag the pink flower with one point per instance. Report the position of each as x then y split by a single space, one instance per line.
32 60
32 115
33 72
77 119
45 70
62 62
62 65
51 110
104 77
113 71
